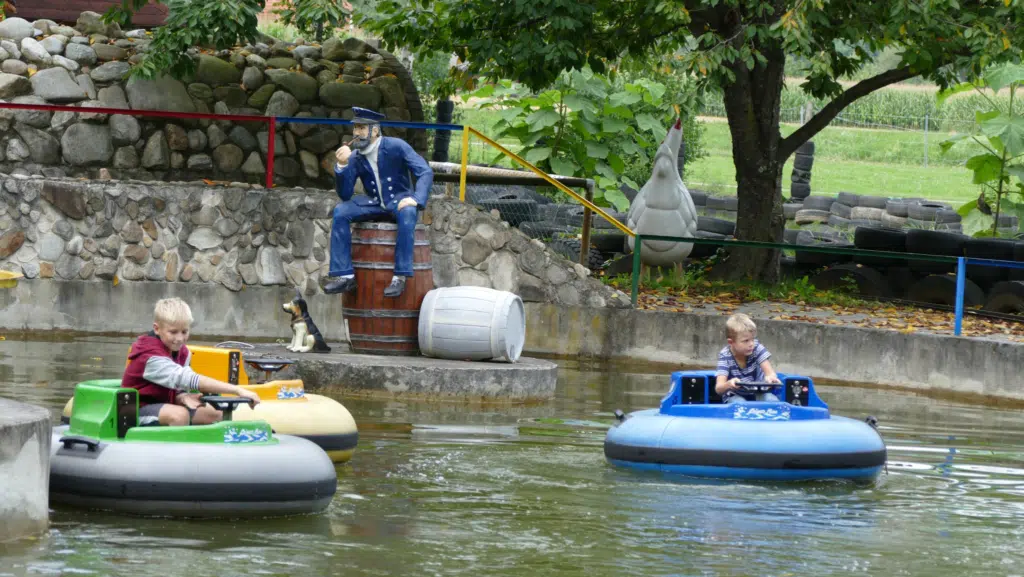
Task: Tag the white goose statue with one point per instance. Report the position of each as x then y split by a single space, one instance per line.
664 207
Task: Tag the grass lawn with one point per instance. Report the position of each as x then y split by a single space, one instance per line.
863 161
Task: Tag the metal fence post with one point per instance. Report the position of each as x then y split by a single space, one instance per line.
961 277
585 236
637 243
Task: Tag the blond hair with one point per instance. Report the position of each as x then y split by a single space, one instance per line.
739 324
172 311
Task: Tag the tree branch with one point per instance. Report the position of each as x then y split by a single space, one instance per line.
820 120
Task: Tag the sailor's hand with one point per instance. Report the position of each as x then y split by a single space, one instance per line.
343 154
247 394
407 201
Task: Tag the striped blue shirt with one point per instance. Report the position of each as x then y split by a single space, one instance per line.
752 373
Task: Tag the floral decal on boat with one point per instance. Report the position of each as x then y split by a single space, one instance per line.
291 393
242 435
746 413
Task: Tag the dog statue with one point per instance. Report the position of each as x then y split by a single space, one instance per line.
305 336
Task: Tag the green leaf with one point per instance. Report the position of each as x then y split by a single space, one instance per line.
596 150
543 118
576 103
966 208
563 166
999 77
615 197
1017 171
624 99
944 95
1009 130
606 171
947 144
648 123
614 125
536 155
976 221
615 161
986 167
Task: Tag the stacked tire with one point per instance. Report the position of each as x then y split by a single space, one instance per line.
711 227
850 211
814 210
803 160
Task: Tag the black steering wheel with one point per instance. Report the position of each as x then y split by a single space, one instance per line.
226 405
758 387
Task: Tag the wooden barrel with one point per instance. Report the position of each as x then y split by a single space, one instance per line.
472 323
376 324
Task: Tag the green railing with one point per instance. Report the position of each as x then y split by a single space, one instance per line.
960 262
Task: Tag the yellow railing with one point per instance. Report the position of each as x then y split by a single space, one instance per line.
468 130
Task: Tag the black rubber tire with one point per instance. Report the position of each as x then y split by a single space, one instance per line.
880 239
848 198
476 195
900 280
570 249
1008 221
800 175
896 207
729 203
873 201
933 242
705 250
991 248
700 198
940 289
598 221
810 216
864 223
789 209
869 282
545 229
513 211
840 209
924 211
1018 255
1006 297
789 268
715 225
944 215
818 202
608 241
803 161
838 222
806 148
789 235
808 238
567 214
954 227
800 190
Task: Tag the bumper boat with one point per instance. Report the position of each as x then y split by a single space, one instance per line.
284 404
693 433
102 460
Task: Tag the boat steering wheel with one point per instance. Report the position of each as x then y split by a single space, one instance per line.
226 405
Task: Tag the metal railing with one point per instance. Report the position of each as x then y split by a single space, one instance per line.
961 262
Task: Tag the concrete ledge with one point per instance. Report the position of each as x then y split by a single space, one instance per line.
415 377
24 470
972 366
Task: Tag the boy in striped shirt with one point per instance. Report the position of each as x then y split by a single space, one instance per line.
743 360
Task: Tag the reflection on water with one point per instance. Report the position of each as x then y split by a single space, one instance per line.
442 489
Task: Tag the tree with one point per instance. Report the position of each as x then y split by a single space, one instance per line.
738 46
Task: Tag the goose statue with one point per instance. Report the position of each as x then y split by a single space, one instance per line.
664 207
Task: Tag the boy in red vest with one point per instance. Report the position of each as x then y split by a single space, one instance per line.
158 366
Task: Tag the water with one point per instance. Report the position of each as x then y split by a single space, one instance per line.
453 489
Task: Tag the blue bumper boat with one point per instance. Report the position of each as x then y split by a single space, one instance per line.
693 433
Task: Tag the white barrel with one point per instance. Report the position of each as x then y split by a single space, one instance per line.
472 323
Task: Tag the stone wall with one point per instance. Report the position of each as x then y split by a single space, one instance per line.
244 235
86 66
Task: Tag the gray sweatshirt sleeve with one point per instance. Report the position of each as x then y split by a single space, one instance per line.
165 372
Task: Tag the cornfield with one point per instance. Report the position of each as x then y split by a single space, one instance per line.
905 107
